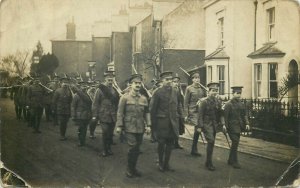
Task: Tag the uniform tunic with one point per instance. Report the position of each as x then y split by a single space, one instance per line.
192 95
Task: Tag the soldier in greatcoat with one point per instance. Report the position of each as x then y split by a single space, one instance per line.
176 84
54 85
82 110
35 102
133 118
236 121
104 109
23 99
165 110
209 118
62 106
193 93
15 94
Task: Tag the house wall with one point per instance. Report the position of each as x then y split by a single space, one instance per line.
122 56
183 28
187 59
238 18
101 54
287 36
73 56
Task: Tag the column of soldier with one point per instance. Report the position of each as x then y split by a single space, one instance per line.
163 111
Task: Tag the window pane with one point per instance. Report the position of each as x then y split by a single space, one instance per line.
273 71
222 88
273 89
258 89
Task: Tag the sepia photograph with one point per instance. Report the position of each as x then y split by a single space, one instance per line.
149 93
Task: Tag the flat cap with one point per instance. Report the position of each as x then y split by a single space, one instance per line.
166 74
136 77
236 89
213 85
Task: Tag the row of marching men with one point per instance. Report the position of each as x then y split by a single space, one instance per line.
133 114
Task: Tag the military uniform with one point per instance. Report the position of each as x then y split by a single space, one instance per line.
235 121
62 105
35 99
133 112
15 94
210 117
82 113
23 101
192 95
93 122
54 86
105 109
165 112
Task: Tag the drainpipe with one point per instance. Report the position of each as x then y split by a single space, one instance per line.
228 79
255 15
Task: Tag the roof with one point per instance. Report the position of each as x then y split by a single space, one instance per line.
219 53
268 50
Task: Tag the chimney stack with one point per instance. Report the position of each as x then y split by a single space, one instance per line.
71 30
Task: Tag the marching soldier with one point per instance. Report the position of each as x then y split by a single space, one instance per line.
133 112
35 99
165 112
15 95
62 106
104 109
209 118
236 121
91 91
23 99
193 93
54 85
158 84
82 111
176 84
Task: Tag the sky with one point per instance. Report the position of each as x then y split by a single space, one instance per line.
24 22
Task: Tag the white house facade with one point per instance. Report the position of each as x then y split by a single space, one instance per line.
278 48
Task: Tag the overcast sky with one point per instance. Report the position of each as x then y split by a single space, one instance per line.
24 22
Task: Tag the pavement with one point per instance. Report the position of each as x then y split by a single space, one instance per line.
257 147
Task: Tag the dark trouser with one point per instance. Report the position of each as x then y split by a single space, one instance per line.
164 150
92 126
63 121
107 135
210 138
82 129
235 139
195 141
35 117
48 112
26 115
55 118
18 110
134 141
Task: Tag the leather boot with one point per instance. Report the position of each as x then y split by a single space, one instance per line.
168 152
160 151
209 151
194 151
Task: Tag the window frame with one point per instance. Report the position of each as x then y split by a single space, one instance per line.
272 81
221 81
271 23
257 79
220 24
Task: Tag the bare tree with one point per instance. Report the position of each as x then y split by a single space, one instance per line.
153 55
288 82
15 63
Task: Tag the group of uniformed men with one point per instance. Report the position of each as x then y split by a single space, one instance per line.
133 113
